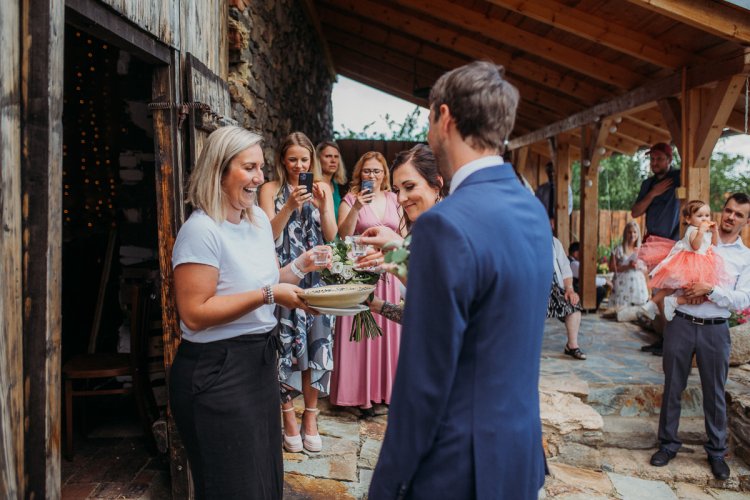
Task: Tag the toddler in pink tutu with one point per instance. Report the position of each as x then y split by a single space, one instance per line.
690 260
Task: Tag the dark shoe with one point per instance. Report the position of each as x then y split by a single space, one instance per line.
576 353
662 457
719 468
366 413
656 346
657 352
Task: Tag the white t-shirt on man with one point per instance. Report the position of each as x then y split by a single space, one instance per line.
245 256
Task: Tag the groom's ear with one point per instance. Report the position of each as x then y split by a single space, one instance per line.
440 181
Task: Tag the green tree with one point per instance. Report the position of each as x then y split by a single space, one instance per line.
620 179
728 174
408 130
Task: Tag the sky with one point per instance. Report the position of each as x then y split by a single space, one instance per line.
355 105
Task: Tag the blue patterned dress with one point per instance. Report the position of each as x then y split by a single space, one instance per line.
307 340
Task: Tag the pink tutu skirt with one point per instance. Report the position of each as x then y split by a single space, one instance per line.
654 250
685 268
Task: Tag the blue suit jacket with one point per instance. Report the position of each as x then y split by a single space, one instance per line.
464 416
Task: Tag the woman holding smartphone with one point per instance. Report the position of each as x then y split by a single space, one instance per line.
300 220
365 370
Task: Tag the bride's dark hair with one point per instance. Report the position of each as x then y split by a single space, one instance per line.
424 163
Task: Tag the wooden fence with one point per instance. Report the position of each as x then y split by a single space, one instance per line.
612 223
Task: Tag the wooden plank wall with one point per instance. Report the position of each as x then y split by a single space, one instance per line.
41 166
162 19
11 341
204 31
612 223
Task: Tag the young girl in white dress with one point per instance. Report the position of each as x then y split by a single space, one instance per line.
690 260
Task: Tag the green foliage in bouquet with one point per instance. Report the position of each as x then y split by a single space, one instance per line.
343 272
397 254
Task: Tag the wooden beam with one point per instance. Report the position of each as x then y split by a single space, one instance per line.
522 155
11 334
495 29
602 31
593 139
562 184
671 111
169 177
387 45
627 127
714 118
312 16
720 19
43 25
418 26
669 86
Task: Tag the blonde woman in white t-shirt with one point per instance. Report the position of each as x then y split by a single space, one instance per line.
224 388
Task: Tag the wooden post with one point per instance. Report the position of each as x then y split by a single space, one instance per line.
562 184
170 216
696 123
43 25
593 139
11 338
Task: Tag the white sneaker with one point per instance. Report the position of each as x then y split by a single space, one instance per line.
670 304
650 310
629 313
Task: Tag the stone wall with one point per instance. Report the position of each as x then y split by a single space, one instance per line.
278 78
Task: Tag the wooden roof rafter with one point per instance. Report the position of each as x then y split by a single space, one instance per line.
420 27
696 76
596 29
507 34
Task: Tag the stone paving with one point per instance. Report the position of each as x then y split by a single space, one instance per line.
620 382
599 418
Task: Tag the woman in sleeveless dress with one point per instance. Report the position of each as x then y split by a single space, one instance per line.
365 370
300 221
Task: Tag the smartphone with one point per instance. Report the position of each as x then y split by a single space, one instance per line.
367 186
306 179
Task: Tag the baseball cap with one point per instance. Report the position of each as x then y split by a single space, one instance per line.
662 147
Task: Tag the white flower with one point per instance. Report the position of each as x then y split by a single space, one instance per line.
337 268
348 273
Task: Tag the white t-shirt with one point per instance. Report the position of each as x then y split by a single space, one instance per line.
245 256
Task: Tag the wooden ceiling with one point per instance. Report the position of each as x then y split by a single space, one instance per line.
574 61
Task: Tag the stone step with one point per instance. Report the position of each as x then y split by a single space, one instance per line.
640 400
689 466
639 433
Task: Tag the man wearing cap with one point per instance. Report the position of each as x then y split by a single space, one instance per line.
700 328
657 198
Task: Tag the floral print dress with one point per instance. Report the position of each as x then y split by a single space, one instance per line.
629 287
307 341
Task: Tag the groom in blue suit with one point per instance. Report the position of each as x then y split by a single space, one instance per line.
464 416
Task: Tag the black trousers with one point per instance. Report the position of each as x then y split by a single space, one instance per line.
711 345
225 401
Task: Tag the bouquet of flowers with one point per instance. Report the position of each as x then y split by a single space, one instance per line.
739 317
344 272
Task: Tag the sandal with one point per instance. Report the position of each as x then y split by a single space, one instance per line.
311 442
575 353
292 444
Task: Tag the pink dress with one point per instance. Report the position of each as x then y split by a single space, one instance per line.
677 265
364 371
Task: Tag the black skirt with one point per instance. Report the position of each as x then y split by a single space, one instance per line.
224 397
558 307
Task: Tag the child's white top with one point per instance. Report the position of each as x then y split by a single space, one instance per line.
684 243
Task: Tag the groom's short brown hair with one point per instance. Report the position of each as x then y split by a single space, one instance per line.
482 102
